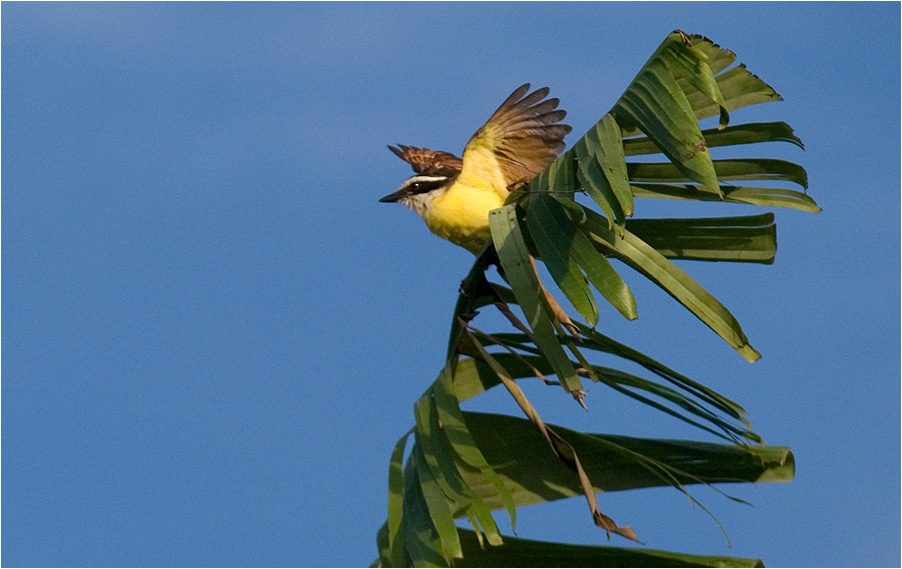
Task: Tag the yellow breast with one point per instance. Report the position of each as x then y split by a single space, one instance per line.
461 215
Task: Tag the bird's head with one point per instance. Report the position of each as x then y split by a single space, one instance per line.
417 192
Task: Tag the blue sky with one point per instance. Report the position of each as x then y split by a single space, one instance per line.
214 334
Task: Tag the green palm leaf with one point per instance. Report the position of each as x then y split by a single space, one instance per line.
514 255
518 552
521 459
656 104
743 239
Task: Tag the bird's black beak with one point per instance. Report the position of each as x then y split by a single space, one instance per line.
392 198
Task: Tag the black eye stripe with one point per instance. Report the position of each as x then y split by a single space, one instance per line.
424 186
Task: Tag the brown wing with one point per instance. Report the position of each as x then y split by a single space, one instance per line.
428 162
524 135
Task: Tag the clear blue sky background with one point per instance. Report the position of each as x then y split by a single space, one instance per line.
214 334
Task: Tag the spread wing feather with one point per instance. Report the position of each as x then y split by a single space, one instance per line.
524 135
428 162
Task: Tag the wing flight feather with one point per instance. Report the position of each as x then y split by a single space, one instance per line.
428 162
523 137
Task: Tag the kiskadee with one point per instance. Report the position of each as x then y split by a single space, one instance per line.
455 195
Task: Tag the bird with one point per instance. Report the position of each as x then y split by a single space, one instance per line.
455 195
